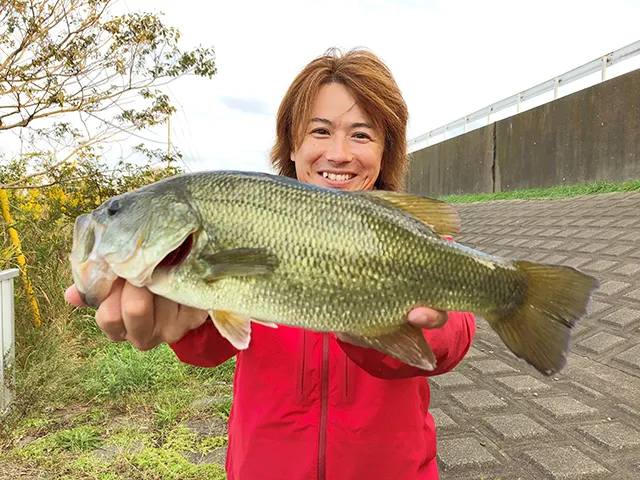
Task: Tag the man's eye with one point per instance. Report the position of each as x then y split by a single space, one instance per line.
362 136
320 131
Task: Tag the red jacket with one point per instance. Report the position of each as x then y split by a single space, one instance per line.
309 407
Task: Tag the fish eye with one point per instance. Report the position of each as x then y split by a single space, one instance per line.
113 208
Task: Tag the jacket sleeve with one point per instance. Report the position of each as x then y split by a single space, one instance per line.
203 346
449 343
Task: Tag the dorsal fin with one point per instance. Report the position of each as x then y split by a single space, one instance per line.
439 215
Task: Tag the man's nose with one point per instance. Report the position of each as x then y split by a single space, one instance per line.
339 151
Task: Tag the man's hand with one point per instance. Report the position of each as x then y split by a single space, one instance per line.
135 314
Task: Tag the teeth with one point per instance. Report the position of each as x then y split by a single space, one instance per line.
338 177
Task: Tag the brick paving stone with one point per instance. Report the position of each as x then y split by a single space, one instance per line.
623 317
601 236
441 419
519 242
586 390
569 232
463 453
474 353
624 223
581 329
569 245
582 222
451 379
601 342
607 235
555 259
630 269
592 247
535 243
552 244
478 400
596 306
487 367
611 287
515 427
587 233
612 435
536 256
627 409
576 262
565 463
602 222
630 357
619 250
564 407
600 265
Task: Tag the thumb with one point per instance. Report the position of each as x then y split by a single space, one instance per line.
428 318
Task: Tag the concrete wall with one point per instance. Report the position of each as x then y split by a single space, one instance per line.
454 166
590 135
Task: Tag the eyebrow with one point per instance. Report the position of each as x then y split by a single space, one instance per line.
326 121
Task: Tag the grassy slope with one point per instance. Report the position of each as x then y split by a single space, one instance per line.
565 191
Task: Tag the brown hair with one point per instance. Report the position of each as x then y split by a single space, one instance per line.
370 82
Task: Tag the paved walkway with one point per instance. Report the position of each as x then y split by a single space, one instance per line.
496 416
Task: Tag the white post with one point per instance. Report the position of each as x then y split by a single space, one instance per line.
556 84
604 68
7 338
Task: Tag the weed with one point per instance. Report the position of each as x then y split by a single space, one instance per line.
79 439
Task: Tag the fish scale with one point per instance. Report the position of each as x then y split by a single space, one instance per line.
353 263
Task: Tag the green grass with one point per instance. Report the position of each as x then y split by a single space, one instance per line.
564 191
79 396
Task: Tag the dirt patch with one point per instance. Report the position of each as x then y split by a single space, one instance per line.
207 427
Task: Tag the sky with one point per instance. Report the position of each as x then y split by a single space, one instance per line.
450 58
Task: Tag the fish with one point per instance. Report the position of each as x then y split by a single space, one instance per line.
252 247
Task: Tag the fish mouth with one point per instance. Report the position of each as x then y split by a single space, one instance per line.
177 256
94 274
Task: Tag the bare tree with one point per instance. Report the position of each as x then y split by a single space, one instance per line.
63 58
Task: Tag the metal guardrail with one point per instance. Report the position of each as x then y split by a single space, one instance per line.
7 338
460 126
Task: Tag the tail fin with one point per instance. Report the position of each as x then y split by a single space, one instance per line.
539 330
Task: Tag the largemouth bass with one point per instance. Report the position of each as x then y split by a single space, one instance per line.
257 247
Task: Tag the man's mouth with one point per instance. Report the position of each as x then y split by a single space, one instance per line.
338 177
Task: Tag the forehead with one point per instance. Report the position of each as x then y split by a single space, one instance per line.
334 102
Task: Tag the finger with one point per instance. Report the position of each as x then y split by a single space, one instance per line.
109 315
424 317
138 315
176 320
73 296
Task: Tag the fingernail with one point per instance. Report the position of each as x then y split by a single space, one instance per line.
419 317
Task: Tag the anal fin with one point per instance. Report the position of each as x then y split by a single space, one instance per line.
234 327
406 343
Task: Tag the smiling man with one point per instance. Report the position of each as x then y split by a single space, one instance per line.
307 405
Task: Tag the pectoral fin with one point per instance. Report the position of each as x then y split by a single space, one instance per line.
234 327
239 262
406 343
439 215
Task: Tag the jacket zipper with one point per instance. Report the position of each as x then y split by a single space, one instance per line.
322 445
